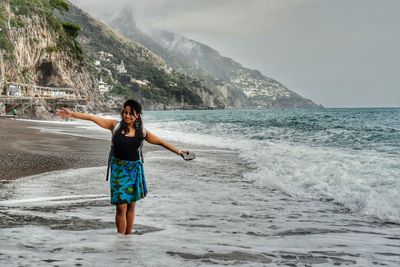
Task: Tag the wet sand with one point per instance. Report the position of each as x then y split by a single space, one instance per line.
25 151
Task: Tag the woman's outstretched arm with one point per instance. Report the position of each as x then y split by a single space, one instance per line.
102 122
155 140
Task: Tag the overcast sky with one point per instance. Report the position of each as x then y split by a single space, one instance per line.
339 53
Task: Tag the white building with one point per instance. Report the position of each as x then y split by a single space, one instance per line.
14 90
103 87
55 92
97 63
121 67
141 82
169 70
105 56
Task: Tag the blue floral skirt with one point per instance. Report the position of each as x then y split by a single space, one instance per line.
127 182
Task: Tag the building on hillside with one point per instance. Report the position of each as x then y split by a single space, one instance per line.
141 82
55 92
121 68
104 56
14 90
103 86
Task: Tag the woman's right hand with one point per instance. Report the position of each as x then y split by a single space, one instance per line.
64 113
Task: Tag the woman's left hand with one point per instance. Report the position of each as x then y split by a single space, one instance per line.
181 152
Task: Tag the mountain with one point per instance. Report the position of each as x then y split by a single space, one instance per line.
236 85
39 50
135 71
51 47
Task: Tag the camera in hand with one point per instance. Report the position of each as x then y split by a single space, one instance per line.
188 155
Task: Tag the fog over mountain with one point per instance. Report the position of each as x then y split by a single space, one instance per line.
337 53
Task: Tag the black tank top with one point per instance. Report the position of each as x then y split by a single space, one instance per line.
126 148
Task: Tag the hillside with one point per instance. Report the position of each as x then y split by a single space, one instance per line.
56 55
38 50
238 86
135 71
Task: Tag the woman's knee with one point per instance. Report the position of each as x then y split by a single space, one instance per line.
131 207
121 209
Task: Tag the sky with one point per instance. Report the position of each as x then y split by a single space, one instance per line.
338 53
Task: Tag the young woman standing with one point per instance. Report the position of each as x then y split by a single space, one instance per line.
127 181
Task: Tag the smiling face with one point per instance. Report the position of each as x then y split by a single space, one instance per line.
129 115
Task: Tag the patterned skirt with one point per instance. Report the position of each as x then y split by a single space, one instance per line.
127 182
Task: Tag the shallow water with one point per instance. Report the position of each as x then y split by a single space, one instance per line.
348 155
199 213
294 188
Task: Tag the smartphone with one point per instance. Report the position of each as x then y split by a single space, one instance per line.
189 155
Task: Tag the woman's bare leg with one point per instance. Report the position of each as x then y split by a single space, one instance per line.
130 218
120 218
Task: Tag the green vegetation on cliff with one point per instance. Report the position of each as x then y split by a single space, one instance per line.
4 41
22 10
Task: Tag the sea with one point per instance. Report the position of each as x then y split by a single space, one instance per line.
269 187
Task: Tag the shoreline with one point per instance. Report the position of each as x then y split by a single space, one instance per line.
27 151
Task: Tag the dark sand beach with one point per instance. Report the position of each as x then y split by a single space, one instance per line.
26 151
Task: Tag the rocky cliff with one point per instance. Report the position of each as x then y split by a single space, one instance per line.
50 43
39 51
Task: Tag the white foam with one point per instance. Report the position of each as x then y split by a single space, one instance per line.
70 122
46 199
194 138
363 181
198 215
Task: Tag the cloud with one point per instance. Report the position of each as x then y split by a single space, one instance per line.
193 16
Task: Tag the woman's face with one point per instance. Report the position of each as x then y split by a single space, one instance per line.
129 115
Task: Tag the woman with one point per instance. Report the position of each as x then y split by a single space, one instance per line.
127 181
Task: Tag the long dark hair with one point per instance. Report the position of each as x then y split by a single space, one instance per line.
135 106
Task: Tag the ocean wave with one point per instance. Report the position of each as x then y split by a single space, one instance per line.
338 155
356 168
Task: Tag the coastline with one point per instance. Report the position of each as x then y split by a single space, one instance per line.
27 151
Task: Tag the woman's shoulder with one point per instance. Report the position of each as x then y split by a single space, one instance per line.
116 126
144 132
